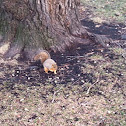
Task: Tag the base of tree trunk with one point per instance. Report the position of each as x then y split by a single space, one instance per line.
38 24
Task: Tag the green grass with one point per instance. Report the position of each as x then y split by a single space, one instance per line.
112 10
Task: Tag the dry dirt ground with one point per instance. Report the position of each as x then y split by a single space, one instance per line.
88 90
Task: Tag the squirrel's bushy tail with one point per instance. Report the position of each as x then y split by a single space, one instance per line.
42 55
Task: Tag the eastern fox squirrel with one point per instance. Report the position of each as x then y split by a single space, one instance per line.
48 63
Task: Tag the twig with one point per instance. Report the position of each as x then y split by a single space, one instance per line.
71 59
88 91
76 81
54 95
75 56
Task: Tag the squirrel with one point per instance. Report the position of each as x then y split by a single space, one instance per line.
48 63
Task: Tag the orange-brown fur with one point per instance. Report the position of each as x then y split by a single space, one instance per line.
42 56
48 63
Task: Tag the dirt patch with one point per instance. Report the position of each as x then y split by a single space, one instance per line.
113 31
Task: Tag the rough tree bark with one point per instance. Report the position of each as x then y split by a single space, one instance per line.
29 25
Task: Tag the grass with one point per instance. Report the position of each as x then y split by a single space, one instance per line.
110 10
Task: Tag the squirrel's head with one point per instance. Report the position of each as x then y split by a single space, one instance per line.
54 68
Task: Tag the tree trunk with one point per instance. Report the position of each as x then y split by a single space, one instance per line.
29 25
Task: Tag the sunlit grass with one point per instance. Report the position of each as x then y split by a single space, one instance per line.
108 9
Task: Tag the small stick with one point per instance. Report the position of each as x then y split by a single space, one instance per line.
54 95
93 84
75 56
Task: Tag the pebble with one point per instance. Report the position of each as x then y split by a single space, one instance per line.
57 77
72 79
13 75
22 99
109 112
55 81
18 71
26 109
62 68
82 81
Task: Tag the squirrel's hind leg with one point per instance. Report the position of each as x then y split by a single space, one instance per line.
55 72
46 70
